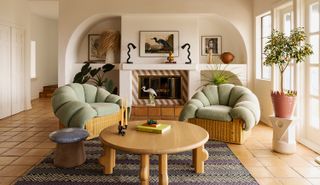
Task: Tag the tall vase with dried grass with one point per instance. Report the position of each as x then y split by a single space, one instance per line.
110 42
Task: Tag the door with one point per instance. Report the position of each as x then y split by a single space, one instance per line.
17 70
312 121
5 74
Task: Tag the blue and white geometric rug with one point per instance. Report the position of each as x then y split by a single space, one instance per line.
222 168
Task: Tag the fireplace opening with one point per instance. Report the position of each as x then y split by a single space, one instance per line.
166 87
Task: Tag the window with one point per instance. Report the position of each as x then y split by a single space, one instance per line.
33 58
263 33
312 74
287 26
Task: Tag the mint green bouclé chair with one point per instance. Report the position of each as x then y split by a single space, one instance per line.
86 106
228 112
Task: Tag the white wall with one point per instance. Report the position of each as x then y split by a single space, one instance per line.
45 32
16 13
74 21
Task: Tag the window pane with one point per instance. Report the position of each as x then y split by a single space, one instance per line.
287 23
266 72
314 17
264 42
314 81
33 59
314 41
263 72
266 26
314 113
287 79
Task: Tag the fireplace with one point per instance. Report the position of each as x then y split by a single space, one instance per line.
171 87
166 87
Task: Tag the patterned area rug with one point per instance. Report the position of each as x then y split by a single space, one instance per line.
221 168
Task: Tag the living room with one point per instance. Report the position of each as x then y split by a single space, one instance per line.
82 77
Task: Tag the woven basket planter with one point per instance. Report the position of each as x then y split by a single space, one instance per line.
230 132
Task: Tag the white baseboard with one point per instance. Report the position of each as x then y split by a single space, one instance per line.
309 144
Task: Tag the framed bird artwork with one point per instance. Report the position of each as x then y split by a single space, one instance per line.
159 43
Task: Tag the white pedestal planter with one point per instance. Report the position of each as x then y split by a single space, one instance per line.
284 139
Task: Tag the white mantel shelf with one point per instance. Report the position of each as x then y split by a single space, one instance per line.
189 67
134 66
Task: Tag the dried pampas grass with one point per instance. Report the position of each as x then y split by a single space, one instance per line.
110 40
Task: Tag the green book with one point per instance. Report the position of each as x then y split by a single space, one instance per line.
158 130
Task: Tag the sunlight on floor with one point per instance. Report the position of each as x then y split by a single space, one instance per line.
24 143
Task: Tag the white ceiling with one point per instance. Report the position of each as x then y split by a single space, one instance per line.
45 8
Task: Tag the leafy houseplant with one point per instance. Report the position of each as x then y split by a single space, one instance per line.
218 76
95 76
281 50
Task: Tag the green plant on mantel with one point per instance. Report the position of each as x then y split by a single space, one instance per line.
281 50
95 76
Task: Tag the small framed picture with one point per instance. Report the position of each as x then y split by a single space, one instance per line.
93 49
159 43
211 43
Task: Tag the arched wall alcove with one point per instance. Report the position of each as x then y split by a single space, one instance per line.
209 24
232 41
72 57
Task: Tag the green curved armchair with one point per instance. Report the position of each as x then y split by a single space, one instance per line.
86 106
220 107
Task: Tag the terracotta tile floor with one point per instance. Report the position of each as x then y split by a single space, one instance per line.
24 143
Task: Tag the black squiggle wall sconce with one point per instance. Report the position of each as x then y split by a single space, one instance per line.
128 53
188 50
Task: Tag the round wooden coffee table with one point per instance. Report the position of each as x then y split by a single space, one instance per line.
181 137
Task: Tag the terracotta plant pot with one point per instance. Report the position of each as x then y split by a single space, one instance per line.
283 105
227 57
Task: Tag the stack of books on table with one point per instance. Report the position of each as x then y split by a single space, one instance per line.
158 128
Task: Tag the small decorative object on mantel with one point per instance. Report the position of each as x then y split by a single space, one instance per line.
188 50
170 59
210 57
152 95
128 53
227 57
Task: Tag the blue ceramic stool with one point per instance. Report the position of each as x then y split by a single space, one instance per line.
70 147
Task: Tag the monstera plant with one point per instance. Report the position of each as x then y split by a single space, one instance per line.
95 76
281 50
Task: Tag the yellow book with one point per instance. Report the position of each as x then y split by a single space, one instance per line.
158 130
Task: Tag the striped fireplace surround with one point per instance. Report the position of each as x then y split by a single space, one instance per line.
165 102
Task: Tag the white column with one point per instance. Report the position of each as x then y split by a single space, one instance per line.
125 85
194 82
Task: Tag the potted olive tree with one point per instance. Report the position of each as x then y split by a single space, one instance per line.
281 50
